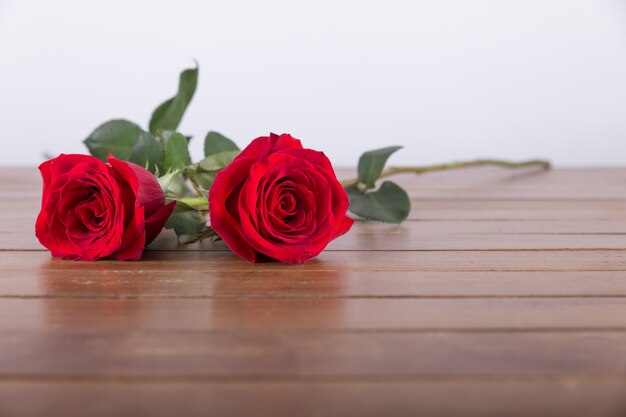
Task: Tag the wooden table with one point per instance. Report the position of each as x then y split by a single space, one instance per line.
503 295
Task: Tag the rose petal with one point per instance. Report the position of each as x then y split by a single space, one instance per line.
155 223
134 238
227 182
266 145
144 184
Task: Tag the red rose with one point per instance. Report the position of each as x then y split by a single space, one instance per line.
279 200
91 209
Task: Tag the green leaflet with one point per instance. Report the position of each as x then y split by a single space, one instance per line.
176 152
169 114
390 203
215 142
115 136
371 164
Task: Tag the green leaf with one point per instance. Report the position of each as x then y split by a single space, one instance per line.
203 173
185 223
390 203
147 152
216 143
371 164
115 136
217 161
169 114
204 180
176 155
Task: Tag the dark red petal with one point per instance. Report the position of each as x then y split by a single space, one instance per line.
42 230
224 220
134 238
284 253
266 145
145 185
313 157
65 163
155 223
148 197
343 226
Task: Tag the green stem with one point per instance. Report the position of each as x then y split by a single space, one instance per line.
200 203
455 165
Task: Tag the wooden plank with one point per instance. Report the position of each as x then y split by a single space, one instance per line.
299 283
225 262
570 397
312 314
333 356
544 211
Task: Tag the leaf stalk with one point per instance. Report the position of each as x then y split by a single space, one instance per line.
545 165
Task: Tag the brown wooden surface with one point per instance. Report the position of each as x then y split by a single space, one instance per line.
504 294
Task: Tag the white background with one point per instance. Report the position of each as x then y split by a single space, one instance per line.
446 79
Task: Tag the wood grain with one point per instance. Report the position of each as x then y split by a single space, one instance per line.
504 294
300 283
288 314
418 261
185 355
432 397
